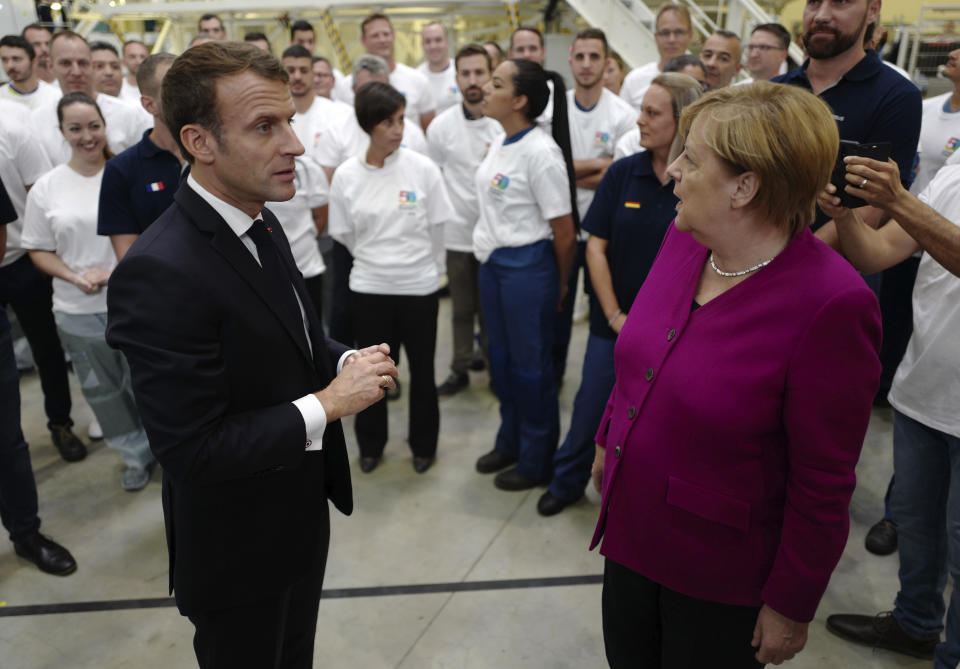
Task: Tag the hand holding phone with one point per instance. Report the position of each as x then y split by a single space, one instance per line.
875 150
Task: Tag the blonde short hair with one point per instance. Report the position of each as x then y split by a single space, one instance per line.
684 90
785 135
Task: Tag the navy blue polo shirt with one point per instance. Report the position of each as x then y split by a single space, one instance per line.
632 210
138 185
872 103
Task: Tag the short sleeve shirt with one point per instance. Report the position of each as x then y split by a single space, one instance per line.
138 186
443 85
632 211
871 103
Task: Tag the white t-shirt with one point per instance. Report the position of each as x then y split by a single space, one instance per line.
637 81
42 95
595 133
521 186
413 85
458 146
61 216
125 127
350 140
21 165
443 85
389 219
927 382
939 140
130 93
297 219
628 145
325 129
545 120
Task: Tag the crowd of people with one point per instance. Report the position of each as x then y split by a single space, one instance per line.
732 358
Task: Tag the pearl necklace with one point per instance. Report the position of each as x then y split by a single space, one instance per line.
741 273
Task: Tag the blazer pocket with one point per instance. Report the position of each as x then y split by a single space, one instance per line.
709 504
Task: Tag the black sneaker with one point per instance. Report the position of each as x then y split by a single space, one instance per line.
454 384
70 447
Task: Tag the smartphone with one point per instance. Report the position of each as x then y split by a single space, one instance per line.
875 150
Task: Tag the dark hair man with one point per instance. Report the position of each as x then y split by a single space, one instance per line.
212 26
258 40
377 37
458 139
438 68
303 34
39 38
138 184
767 50
235 382
20 64
720 56
107 70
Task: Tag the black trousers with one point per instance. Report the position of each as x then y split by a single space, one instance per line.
29 292
411 321
648 626
341 309
277 632
896 308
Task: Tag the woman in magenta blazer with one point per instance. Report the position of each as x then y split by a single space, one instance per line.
745 376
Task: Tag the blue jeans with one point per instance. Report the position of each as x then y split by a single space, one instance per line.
519 288
18 490
561 344
926 509
573 461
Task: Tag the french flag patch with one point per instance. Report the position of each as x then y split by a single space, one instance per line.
156 186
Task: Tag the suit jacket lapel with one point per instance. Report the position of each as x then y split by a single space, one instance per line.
232 249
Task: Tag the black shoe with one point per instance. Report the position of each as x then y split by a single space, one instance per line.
393 393
882 538
548 505
880 631
478 364
511 479
454 384
420 465
47 554
367 465
70 447
493 461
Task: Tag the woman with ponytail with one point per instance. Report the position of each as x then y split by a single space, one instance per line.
525 242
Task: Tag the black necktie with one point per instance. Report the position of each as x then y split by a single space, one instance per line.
277 279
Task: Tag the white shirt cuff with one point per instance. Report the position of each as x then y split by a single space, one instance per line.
343 359
314 418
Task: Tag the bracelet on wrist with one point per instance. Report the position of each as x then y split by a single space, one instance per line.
617 314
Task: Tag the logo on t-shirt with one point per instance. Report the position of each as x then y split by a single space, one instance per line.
952 144
453 90
601 138
500 181
408 199
316 138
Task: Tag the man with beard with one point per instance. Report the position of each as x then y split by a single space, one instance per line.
870 102
458 139
20 63
39 38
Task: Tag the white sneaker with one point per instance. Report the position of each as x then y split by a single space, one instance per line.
95 432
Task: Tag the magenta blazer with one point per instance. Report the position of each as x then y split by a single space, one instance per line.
733 430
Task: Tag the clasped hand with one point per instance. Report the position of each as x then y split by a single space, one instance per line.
363 380
92 280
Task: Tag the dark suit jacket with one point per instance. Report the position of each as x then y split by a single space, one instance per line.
215 367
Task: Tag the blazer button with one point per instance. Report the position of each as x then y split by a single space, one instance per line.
649 374
616 451
671 334
631 412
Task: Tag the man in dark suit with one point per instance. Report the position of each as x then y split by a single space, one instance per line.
237 387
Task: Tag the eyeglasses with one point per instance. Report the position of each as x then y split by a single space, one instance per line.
666 34
764 47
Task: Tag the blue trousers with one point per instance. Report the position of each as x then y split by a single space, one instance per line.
564 326
572 462
926 509
519 290
18 489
